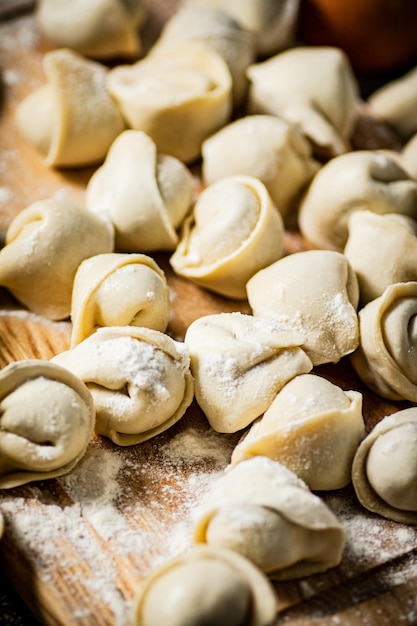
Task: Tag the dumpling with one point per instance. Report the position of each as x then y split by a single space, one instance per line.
311 87
265 147
384 471
118 290
234 231
190 89
72 119
139 378
45 243
409 156
206 586
146 195
315 292
239 363
47 420
312 427
264 512
361 180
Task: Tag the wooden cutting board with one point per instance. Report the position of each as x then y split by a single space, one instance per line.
76 548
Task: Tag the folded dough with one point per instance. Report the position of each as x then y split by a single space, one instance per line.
234 231
47 420
312 87
139 378
312 427
263 511
265 147
239 363
45 243
145 194
409 156
72 119
384 470
315 292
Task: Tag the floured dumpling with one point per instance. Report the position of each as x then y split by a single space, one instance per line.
263 511
385 468
45 243
386 357
118 290
206 586
315 292
139 378
72 119
409 156
47 420
190 89
265 147
239 363
312 427
361 180
312 87
234 231
145 194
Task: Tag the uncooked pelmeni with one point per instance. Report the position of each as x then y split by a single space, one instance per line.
145 194
384 471
189 88
118 290
315 291
47 420
267 148
312 427
45 243
234 231
262 510
409 156
72 119
239 363
206 586
139 378
312 87
362 180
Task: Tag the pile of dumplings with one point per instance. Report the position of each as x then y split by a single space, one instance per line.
205 148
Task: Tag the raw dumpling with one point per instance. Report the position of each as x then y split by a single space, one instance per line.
145 194
385 468
234 231
72 119
239 363
188 89
262 510
315 292
362 180
409 156
265 147
207 586
140 380
386 357
312 427
118 290
47 420
45 243
312 87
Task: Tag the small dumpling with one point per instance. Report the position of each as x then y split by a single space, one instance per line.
47 420
206 586
263 511
409 156
239 363
139 378
311 87
234 231
316 292
118 290
45 243
145 194
72 119
312 427
384 471
265 147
